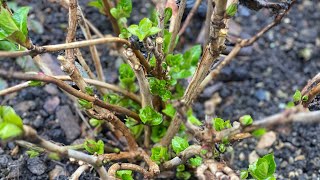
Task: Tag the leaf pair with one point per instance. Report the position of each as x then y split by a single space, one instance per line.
263 168
144 29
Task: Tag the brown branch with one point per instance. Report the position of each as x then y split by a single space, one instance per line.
145 93
76 175
183 156
114 22
189 17
311 90
176 25
70 90
59 47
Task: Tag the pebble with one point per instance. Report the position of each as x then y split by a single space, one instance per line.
24 106
36 166
4 160
51 89
51 104
267 140
253 156
38 122
284 164
242 157
262 95
68 122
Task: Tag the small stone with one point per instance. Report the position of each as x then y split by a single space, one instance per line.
68 123
262 95
292 174
38 122
291 160
306 53
3 84
4 160
267 140
242 157
36 166
51 89
284 164
24 106
56 172
51 104
253 156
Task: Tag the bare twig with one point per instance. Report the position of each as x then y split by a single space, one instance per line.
183 156
176 25
189 17
114 22
76 175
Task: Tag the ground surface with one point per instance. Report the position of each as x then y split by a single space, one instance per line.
260 84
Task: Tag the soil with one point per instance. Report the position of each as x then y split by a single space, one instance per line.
259 84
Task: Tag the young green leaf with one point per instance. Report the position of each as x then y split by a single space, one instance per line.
179 144
290 104
246 120
244 174
54 156
159 87
167 15
150 117
85 104
181 168
222 148
32 153
159 154
144 29
95 122
127 77
35 83
135 128
94 147
193 119
8 46
97 4
89 90
232 9
169 110
21 18
297 96
124 174
305 98
8 115
263 168
185 175
157 133
259 132
195 162
218 124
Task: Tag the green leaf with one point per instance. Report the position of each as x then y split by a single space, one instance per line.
263 168
95 122
7 24
127 77
125 34
154 17
21 18
218 124
159 154
9 116
8 130
135 128
290 104
167 15
97 4
222 148
159 87
259 132
192 119
246 120
195 162
232 9
124 174
227 124
153 31
185 175
179 144
54 156
35 83
8 46
150 117
305 98
94 147
297 96
192 55
244 174
169 110
157 133
89 90
181 168
32 153
125 6
85 104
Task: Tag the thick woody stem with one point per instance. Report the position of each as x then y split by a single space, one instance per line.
146 96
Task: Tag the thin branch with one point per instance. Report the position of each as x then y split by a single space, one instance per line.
183 156
59 47
311 90
114 22
70 90
76 175
189 17
176 26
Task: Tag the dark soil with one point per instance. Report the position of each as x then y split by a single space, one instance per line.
259 84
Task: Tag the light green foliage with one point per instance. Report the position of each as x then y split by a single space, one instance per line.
179 144
244 174
113 98
8 46
32 153
94 147
169 110
124 174
85 104
259 132
158 132
167 15
183 66
193 119
89 90
150 116
196 161
246 120
123 9
144 29
14 27
35 83
290 104
297 96
185 175
232 9
10 123
54 156
97 4
159 154
263 168
219 124
305 98
127 77
159 87
134 126
222 148
95 122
